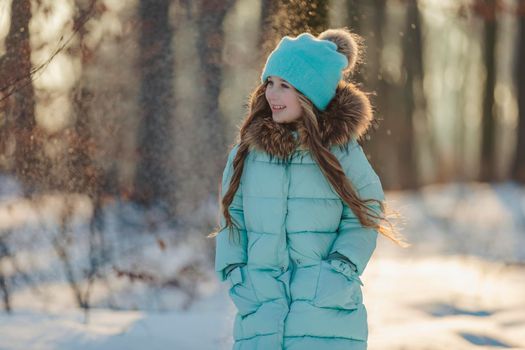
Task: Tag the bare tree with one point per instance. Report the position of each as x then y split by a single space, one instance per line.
356 19
290 17
486 9
269 31
385 99
18 97
518 169
210 126
414 94
61 243
82 171
4 286
153 180
86 175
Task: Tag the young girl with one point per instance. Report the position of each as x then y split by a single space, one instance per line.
301 205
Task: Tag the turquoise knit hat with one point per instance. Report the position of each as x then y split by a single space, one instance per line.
312 65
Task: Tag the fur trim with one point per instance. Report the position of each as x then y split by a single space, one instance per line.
347 116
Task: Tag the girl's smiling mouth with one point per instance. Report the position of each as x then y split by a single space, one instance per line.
277 108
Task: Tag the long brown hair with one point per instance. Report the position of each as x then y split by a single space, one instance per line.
326 160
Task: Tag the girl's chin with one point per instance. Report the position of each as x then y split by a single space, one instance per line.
279 120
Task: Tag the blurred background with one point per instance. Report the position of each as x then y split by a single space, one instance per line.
116 118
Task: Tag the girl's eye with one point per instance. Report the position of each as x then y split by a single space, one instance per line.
268 82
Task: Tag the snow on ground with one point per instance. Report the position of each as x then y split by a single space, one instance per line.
461 285
423 303
453 302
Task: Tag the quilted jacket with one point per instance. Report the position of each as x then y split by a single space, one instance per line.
295 275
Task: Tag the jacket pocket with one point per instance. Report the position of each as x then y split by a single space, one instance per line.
337 290
241 291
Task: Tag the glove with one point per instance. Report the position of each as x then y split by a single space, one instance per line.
337 255
342 264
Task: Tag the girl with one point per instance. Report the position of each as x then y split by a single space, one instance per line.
301 205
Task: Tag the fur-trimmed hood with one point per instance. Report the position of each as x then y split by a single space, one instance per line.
347 116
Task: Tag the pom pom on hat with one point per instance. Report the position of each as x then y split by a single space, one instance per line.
347 44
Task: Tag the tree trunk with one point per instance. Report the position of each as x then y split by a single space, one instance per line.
290 17
269 30
518 169
153 180
82 175
386 155
356 18
211 125
414 95
18 95
488 122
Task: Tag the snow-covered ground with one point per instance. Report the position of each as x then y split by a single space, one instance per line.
461 285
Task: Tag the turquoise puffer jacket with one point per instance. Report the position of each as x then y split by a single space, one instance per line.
293 280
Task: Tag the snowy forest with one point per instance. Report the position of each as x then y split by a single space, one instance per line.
116 118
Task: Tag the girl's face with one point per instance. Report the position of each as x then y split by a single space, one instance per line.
283 99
